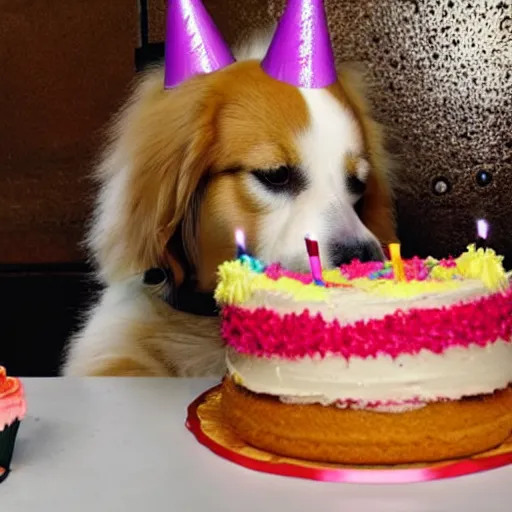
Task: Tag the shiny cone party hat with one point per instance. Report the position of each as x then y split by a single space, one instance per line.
301 51
193 44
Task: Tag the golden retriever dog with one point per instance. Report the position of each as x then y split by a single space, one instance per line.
184 169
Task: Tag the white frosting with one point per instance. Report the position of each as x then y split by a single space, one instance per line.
458 372
348 305
380 383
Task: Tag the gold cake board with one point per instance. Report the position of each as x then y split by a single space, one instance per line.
206 422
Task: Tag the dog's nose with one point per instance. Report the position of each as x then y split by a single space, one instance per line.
341 254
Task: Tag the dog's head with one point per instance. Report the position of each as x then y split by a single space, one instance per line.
238 149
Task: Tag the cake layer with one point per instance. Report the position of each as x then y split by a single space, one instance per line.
395 363
265 333
381 383
361 338
362 290
436 432
349 305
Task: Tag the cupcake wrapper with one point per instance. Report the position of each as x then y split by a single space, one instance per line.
7 440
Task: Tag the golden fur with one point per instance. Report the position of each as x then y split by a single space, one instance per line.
175 167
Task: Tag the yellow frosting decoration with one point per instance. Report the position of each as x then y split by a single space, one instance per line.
298 290
483 264
235 283
444 273
403 289
334 276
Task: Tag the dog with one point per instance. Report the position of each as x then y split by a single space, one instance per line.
184 168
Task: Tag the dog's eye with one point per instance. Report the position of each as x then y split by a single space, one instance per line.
274 178
356 180
282 180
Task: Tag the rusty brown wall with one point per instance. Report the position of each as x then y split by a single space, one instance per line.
64 68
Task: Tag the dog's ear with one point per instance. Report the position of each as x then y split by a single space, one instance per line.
377 205
377 209
158 154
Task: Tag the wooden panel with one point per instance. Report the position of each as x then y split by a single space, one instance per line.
65 68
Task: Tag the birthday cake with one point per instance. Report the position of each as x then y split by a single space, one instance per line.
377 364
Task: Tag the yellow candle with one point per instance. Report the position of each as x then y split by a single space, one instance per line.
396 262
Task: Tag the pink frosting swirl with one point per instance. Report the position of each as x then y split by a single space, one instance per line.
12 399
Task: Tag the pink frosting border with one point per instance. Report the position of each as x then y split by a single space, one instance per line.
351 403
415 269
263 332
12 406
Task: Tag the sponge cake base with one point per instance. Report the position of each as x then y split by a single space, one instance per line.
439 431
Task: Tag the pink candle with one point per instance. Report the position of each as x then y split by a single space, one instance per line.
314 259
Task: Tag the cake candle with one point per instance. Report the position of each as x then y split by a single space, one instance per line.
397 262
243 255
240 243
314 259
482 229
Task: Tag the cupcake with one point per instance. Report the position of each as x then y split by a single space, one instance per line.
12 411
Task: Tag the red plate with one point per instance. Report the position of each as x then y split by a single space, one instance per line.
204 420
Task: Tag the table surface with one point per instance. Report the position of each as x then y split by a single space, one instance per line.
120 445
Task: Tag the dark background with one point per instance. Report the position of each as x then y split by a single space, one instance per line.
66 67
441 84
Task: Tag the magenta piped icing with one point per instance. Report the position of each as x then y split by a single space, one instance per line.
265 333
275 272
416 269
357 269
351 403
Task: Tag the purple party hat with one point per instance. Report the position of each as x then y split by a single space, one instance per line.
301 51
193 43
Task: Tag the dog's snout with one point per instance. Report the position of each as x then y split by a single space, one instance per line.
343 253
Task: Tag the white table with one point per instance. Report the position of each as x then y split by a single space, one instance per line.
120 445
